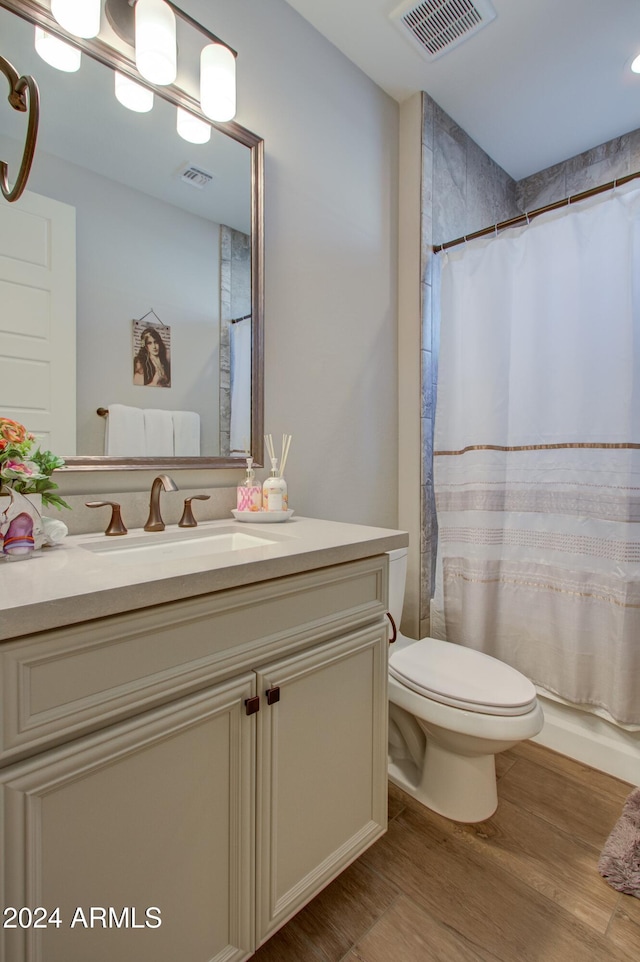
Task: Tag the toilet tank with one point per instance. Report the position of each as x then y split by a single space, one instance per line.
397 579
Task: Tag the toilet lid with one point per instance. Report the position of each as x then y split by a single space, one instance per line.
462 677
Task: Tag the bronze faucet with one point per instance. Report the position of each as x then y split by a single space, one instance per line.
154 521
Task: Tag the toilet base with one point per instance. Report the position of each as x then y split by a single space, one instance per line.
460 787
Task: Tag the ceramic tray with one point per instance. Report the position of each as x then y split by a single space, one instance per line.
261 517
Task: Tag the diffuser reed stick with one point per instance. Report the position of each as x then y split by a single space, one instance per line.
268 440
286 443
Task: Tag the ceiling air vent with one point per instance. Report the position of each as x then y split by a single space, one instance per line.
437 26
196 176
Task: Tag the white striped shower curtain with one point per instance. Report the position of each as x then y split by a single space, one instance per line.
537 452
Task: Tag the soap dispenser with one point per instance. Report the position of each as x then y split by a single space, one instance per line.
249 494
274 490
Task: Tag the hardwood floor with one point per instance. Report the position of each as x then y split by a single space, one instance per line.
521 887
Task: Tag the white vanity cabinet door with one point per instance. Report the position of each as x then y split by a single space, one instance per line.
321 777
156 813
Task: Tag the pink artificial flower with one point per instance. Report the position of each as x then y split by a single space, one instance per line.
18 469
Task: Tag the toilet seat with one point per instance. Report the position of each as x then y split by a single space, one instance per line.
462 678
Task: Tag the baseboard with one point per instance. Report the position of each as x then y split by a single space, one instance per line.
590 740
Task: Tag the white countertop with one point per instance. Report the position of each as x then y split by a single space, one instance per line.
70 583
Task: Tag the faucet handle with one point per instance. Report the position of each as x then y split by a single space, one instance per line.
187 520
116 525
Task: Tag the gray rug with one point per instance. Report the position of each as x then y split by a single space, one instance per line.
620 859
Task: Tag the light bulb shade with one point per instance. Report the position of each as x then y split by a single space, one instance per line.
218 82
79 17
132 95
191 128
56 52
155 39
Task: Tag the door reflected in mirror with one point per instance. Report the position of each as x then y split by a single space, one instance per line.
168 237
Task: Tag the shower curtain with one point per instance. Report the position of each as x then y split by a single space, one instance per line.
537 452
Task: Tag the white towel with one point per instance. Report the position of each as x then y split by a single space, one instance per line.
186 434
158 432
124 433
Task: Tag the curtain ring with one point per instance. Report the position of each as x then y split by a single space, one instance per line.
526 214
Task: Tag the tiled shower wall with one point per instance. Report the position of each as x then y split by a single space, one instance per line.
594 167
235 301
464 190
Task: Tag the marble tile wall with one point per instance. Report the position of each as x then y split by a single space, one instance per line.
594 167
235 301
225 339
464 190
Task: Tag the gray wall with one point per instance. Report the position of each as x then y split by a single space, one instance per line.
330 274
135 253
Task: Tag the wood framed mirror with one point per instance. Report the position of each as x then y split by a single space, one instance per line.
168 235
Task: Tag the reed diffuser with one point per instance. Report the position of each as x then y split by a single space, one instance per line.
274 490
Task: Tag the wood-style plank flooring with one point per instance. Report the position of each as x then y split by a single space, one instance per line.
521 887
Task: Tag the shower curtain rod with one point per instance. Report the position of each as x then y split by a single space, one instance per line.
526 217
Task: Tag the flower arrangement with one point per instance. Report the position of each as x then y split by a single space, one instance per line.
24 467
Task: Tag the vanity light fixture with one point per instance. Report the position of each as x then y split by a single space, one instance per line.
132 95
155 41
154 25
150 28
191 128
635 65
56 52
79 17
218 82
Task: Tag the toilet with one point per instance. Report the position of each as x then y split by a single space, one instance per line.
451 710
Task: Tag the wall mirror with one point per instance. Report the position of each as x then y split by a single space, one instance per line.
168 234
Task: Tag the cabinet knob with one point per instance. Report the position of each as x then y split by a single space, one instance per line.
252 705
273 695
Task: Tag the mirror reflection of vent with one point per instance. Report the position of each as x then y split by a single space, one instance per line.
196 176
436 26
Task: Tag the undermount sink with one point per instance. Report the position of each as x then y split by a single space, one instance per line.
174 545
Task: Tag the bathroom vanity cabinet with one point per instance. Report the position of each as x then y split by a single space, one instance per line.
177 781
